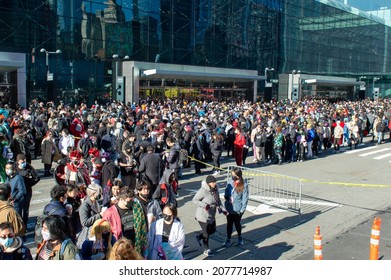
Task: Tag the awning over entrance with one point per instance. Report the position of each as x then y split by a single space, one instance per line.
193 75
333 82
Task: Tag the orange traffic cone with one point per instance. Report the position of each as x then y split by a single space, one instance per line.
375 240
318 245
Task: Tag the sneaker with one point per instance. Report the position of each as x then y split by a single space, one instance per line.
208 253
227 243
199 241
240 240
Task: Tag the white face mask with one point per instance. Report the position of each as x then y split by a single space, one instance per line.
9 172
46 235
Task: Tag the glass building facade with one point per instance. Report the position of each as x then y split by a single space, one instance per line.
325 37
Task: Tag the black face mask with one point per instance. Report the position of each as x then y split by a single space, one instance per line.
145 196
167 218
106 235
98 197
234 178
129 204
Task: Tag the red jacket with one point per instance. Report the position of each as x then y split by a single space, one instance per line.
240 141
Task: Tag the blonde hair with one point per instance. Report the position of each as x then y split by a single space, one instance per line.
97 229
124 250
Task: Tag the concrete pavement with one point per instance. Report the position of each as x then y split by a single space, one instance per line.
273 234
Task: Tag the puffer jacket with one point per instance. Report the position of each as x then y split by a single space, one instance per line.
207 196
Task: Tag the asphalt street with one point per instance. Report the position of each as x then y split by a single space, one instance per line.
344 209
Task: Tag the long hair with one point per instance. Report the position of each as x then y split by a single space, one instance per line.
124 250
240 185
98 228
56 227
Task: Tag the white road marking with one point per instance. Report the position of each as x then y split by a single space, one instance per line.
359 150
375 152
383 156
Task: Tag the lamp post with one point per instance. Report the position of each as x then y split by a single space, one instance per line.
49 76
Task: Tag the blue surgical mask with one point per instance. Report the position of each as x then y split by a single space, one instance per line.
6 242
22 165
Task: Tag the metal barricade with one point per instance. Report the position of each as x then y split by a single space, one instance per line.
272 189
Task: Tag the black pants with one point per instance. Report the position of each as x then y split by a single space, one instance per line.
207 230
47 168
231 220
230 147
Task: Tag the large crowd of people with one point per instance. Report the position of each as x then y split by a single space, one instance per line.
118 167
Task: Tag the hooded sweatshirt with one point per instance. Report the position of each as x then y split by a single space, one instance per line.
166 192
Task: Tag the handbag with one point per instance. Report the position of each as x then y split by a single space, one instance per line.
57 155
83 236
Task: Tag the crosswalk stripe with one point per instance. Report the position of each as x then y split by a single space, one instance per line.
359 150
375 152
383 156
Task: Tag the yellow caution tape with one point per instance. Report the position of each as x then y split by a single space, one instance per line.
301 179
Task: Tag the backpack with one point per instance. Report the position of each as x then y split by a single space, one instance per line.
166 195
183 157
63 245
38 225
7 152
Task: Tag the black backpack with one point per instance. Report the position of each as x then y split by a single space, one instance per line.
38 225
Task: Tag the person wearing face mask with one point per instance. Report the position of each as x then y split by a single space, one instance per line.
240 141
8 213
126 219
66 141
110 195
4 156
151 167
76 128
31 178
11 246
85 144
166 237
208 203
197 151
151 207
109 171
100 243
76 171
236 199
18 188
56 206
56 244
89 212
127 164
48 149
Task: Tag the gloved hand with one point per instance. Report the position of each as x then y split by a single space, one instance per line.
207 207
